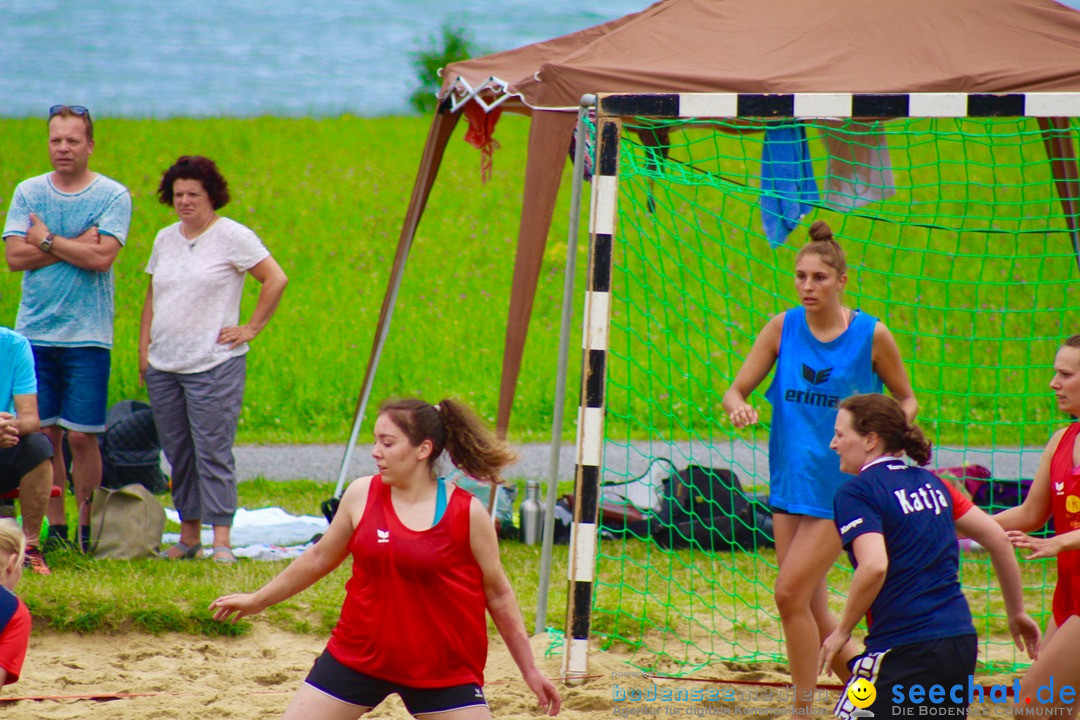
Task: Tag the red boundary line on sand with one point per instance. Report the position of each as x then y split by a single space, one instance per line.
94 696
760 683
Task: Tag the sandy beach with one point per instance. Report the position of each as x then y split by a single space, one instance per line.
183 677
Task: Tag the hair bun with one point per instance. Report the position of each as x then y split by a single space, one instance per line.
820 232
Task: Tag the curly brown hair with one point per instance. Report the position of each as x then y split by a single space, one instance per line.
195 167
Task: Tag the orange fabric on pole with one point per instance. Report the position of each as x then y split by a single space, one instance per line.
481 134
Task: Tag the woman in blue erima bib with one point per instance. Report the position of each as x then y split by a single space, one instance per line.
823 352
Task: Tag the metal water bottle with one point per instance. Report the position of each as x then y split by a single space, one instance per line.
532 514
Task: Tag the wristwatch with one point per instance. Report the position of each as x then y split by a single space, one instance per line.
46 244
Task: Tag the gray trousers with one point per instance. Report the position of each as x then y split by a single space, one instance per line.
196 416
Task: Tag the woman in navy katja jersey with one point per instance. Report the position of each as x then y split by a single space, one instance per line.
898 524
823 352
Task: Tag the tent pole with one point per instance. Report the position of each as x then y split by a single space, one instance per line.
441 127
587 101
1057 137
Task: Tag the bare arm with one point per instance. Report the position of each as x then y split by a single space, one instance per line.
503 607
315 563
273 280
980 527
145 321
873 564
21 255
755 368
890 367
1046 547
22 423
90 251
1032 514
26 414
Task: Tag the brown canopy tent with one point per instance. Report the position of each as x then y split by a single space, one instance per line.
755 46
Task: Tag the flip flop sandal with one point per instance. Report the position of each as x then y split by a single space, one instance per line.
187 552
223 554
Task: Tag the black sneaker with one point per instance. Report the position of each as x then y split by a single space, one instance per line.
56 542
34 561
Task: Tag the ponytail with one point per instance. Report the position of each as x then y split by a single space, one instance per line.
453 426
916 446
877 413
471 445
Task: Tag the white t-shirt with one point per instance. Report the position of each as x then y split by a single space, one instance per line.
197 288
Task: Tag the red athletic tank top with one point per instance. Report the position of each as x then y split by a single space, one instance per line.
1065 501
414 606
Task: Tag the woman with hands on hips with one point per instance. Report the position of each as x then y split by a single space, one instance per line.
1055 492
823 352
425 566
192 347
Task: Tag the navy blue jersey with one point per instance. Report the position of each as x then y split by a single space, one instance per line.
912 509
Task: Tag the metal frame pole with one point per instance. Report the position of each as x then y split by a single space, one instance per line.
587 101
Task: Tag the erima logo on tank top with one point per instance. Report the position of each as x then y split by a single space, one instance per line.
815 377
383 535
813 397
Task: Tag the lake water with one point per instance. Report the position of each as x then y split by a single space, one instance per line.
140 58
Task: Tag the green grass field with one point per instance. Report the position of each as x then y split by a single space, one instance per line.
670 610
328 197
95 595
977 317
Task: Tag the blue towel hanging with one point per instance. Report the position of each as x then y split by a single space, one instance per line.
788 188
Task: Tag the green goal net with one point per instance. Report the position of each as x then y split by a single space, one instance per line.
956 239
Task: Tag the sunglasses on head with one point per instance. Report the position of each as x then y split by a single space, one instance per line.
73 109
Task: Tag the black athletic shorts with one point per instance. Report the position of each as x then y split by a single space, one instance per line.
347 685
16 462
946 662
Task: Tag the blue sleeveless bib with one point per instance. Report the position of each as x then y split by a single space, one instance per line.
811 378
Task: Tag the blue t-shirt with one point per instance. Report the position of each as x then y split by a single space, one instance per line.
811 378
16 369
921 598
63 304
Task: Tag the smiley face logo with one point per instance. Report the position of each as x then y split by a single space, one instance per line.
862 693
1072 503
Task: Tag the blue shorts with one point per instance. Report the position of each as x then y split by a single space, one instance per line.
73 386
343 683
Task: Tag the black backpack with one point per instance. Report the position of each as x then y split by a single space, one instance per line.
130 450
706 508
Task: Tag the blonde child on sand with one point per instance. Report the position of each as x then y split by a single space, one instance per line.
14 616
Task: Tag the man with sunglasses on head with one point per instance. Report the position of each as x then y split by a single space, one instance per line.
64 230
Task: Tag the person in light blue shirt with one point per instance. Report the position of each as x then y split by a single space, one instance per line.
25 454
823 352
63 231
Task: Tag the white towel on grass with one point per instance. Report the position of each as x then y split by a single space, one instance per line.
265 527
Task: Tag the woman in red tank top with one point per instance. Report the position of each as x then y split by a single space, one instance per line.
425 566
1056 489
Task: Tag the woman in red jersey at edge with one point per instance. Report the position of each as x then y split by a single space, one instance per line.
425 566
1056 490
